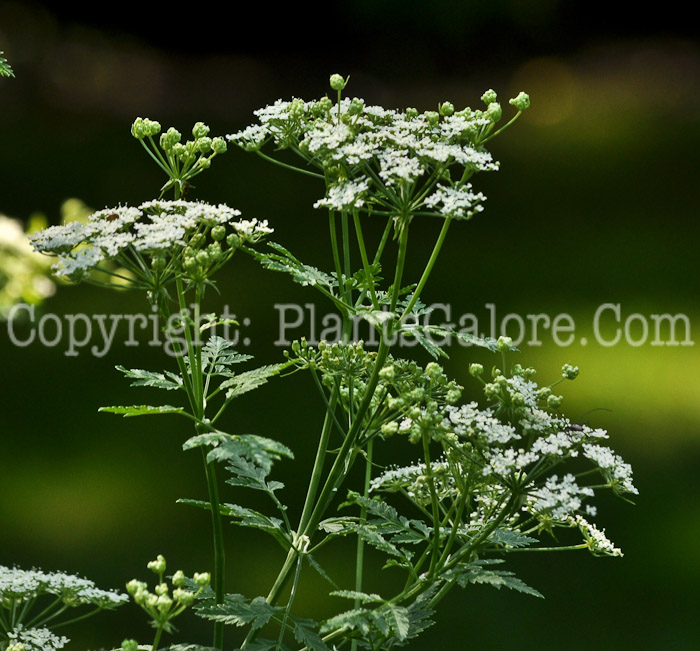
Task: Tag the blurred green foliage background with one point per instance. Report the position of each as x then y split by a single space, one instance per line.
596 202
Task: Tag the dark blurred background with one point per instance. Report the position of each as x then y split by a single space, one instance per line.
596 202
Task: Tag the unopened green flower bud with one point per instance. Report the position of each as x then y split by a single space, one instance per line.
203 145
489 97
170 138
447 108
433 371
494 112
356 106
218 233
389 429
164 603
130 645
183 597
202 579
504 344
521 101
433 117
219 146
157 566
387 373
215 252
476 370
233 241
554 402
569 372
161 589
179 579
133 586
203 258
452 396
199 130
337 82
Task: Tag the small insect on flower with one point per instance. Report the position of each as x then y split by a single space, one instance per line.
112 217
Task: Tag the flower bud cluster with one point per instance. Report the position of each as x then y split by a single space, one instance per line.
181 161
162 605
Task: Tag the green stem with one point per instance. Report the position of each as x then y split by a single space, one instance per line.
434 503
360 554
428 268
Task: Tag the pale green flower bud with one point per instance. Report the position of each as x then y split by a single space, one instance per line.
157 566
215 252
134 586
296 108
554 402
569 372
494 112
202 258
433 371
202 579
521 101
158 263
138 129
170 138
199 130
433 117
389 429
504 344
233 241
476 370
387 373
203 145
184 597
489 97
197 241
179 579
411 113
161 589
447 108
164 603
356 106
130 645
218 233
337 82
219 146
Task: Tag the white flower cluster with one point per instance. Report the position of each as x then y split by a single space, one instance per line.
35 639
155 228
558 499
369 151
21 585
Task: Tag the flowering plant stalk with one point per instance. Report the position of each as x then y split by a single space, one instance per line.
487 482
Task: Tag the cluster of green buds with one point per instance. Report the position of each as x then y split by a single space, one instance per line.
181 161
161 605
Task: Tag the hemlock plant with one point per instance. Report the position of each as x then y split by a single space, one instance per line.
510 475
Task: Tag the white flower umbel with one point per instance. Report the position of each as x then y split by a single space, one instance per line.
35 639
617 472
458 201
194 236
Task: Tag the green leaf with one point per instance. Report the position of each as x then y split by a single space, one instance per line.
249 380
237 611
5 67
360 596
475 572
305 633
263 644
227 447
167 380
301 273
510 538
218 353
397 617
144 410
